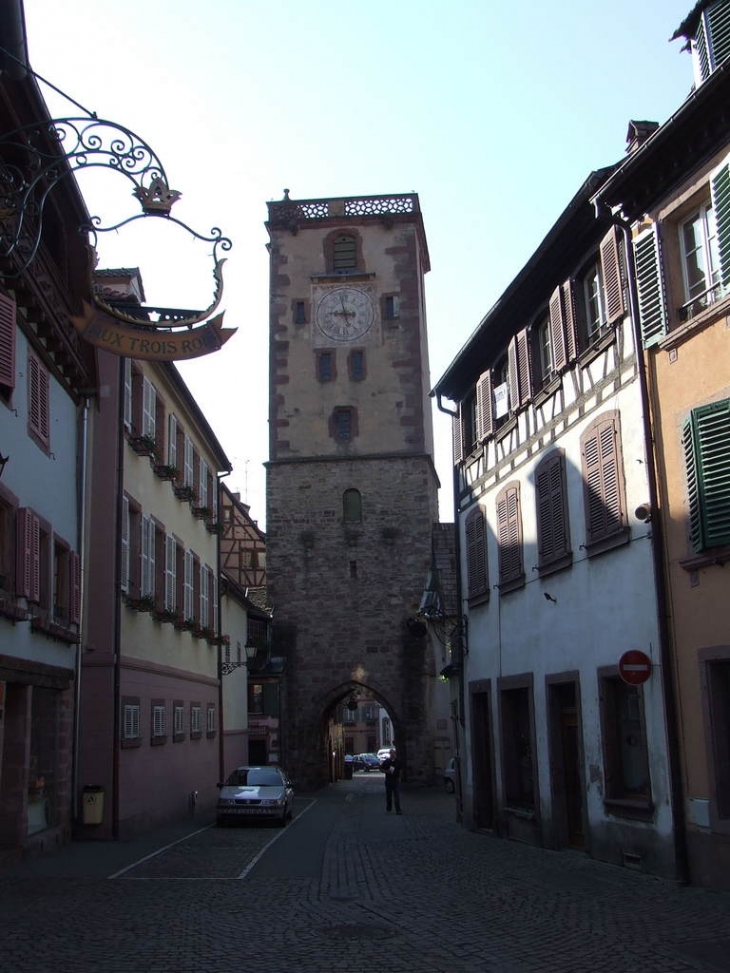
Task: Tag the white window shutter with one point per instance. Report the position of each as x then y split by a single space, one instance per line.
124 550
188 588
128 393
172 441
149 409
170 569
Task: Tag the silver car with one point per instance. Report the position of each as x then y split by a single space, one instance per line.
255 792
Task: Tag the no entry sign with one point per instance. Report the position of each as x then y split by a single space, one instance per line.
634 667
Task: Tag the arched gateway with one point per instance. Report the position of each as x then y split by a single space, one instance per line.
351 484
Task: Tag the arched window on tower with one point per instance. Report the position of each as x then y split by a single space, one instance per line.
352 506
344 252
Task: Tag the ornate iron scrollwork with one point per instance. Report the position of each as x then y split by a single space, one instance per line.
35 158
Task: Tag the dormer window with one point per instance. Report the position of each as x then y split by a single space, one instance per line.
344 252
709 38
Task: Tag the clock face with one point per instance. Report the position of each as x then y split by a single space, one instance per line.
345 313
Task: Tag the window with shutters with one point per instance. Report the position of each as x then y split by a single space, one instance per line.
203 484
172 447
204 614
391 306
189 587
603 484
195 727
130 722
470 438
158 722
149 409
542 347
477 577
344 252
188 462
343 425
178 721
711 42
625 753
551 499
7 348
39 402
706 444
147 551
509 538
171 562
27 573
212 723
8 541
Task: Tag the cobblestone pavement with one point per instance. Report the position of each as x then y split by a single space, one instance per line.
348 887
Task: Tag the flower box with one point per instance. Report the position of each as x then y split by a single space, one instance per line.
185 493
143 445
166 472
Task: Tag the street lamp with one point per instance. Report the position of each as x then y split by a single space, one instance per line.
252 650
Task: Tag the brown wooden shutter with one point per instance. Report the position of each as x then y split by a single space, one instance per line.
476 554
485 416
604 514
557 331
552 523
74 588
7 342
571 330
28 565
513 384
611 272
510 535
457 438
524 372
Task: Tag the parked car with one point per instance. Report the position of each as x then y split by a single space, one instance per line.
450 775
354 761
384 753
369 762
255 792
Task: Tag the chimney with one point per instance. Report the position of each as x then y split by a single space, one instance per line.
638 133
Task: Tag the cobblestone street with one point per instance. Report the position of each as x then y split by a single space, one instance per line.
347 886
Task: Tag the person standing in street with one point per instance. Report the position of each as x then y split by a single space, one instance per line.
392 767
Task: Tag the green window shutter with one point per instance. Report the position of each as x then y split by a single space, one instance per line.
718 23
650 285
706 443
720 189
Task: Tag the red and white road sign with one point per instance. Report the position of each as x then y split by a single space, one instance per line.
634 667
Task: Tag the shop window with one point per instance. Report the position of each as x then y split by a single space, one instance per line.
626 762
718 684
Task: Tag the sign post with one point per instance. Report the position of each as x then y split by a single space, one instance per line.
634 667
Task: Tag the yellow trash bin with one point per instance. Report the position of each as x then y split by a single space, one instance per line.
93 800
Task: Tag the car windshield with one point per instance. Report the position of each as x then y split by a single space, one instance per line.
255 777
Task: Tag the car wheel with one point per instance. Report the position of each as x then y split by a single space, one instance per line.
449 786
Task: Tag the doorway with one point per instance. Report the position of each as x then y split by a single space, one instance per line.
482 755
567 765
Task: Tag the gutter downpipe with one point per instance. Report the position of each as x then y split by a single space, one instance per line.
82 530
463 649
668 681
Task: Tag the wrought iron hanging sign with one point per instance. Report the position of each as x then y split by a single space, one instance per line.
35 158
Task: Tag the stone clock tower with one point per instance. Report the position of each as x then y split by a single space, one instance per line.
351 485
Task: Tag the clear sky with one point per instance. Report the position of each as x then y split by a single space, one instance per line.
494 113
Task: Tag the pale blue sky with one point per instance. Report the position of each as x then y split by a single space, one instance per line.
493 113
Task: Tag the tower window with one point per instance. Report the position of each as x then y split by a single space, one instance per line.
300 312
392 306
325 366
342 424
356 363
344 252
352 505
